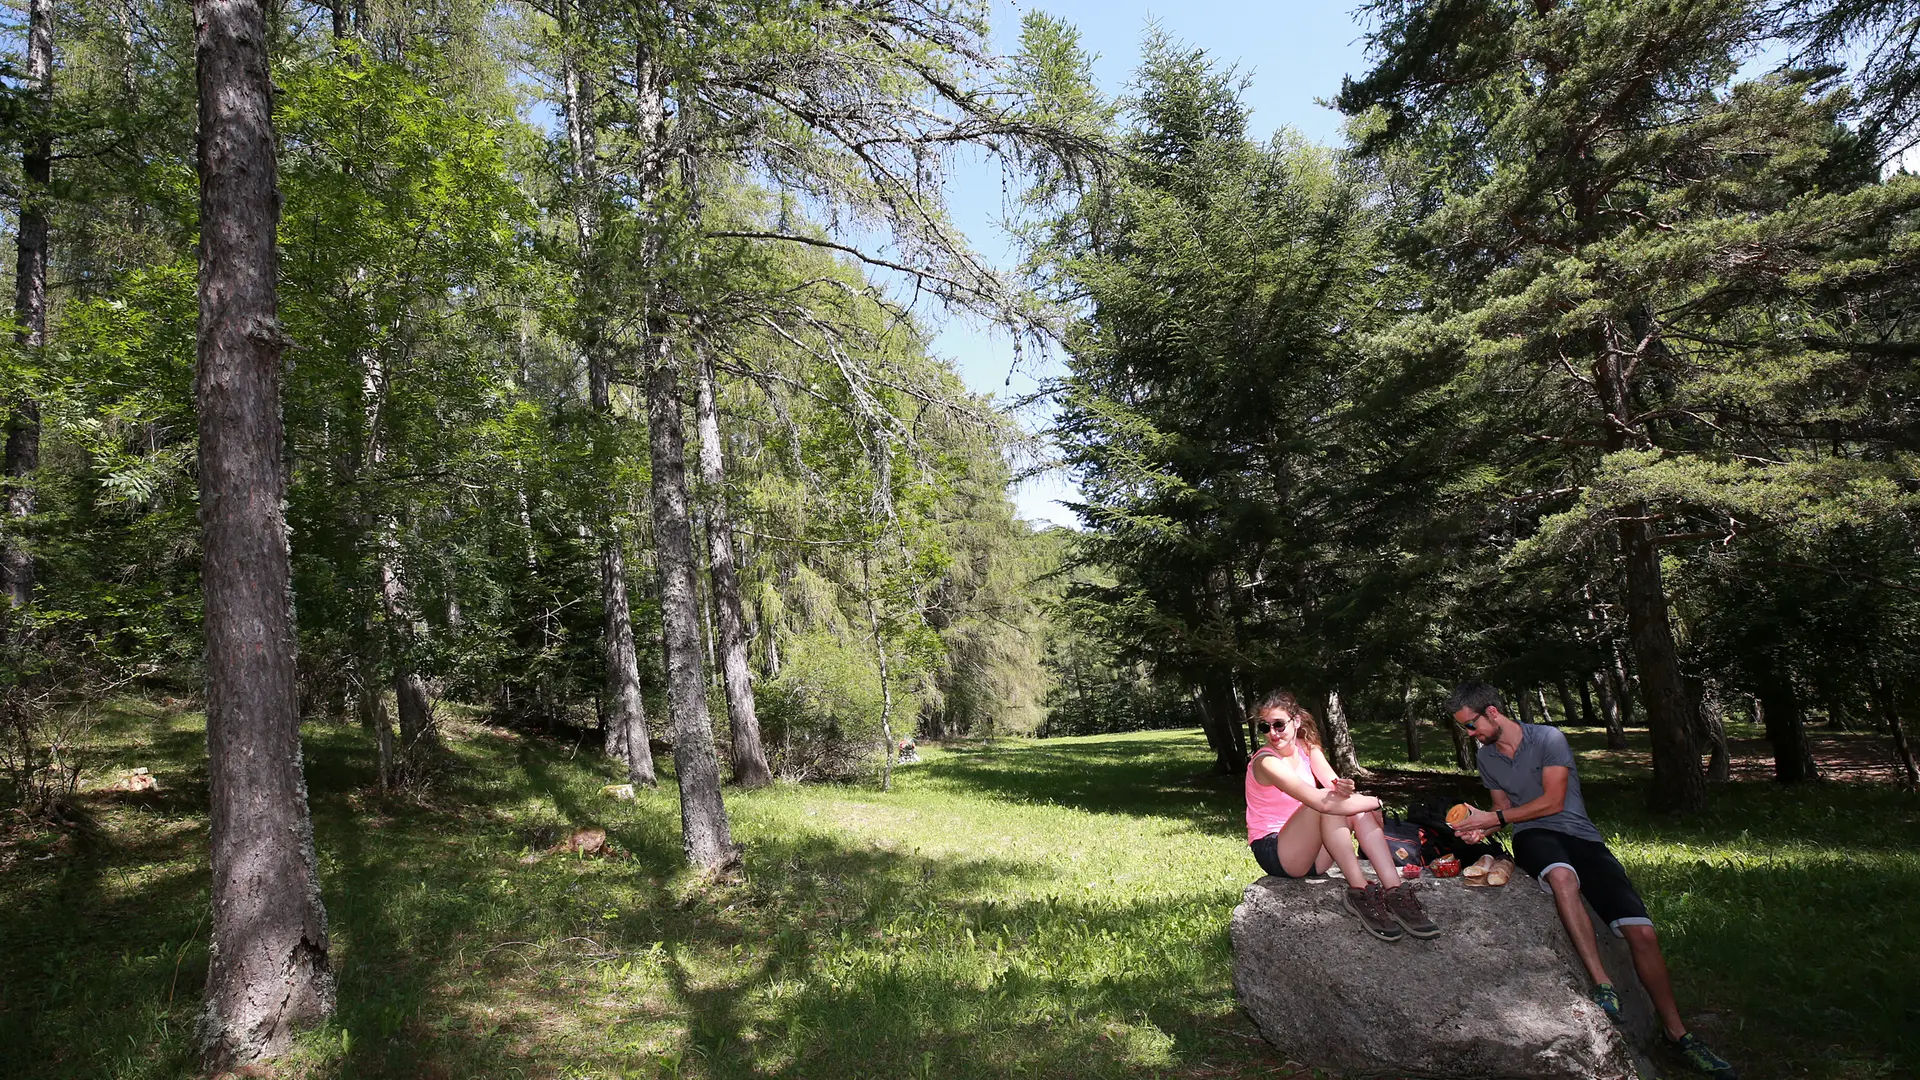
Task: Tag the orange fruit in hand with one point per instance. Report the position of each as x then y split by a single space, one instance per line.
1458 813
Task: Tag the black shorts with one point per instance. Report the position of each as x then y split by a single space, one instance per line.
1266 852
1603 881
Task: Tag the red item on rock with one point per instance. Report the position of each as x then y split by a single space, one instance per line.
1445 866
1410 871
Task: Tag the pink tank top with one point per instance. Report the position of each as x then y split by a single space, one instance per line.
1268 808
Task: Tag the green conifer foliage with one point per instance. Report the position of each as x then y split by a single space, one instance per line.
1667 295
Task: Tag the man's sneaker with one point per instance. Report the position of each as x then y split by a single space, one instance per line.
1700 1058
1370 908
1608 999
1405 909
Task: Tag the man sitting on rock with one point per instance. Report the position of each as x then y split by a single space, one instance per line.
1529 770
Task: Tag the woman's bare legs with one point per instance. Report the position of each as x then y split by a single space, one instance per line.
1312 840
1373 843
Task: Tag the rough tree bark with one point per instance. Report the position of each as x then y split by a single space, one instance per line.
1678 784
1462 746
1409 721
1610 711
29 304
1622 684
1566 700
415 705
1786 729
749 757
1885 705
886 682
268 975
1339 739
1713 722
1220 719
705 836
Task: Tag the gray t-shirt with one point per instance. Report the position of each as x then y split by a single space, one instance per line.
1520 777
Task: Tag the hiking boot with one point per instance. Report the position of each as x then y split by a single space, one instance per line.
1700 1058
1404 908
1608 999
1370 908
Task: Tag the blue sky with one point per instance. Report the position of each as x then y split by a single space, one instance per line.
1292 51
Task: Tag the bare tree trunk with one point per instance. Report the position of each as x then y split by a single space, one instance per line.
886 687
749 758
1408 719
1220 717
1588 718
626 709
1611 690
268 975
1566 701
1339 737
1610 711
705 835
623 713
1622 684
409 689
1786 729
1678 785
1713 720
1884 704
29 304
1462 746
1524 698
375 706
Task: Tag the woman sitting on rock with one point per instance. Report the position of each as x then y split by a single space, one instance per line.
1301 819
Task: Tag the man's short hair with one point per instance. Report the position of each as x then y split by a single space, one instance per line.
1477 696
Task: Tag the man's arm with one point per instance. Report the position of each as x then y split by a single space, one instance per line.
1552 800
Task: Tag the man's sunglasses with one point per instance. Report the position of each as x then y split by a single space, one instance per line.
1473 721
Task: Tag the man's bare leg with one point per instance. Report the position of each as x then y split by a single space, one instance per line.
1573 915
1651 965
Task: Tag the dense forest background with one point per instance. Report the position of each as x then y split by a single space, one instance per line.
599 399
1583 367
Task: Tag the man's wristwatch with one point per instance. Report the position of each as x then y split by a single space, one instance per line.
1502 815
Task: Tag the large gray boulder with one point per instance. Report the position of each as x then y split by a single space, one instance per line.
1499 995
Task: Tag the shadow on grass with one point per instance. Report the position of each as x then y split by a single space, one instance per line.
832 960
839 958
1164 775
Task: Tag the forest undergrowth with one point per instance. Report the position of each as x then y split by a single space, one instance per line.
1052 908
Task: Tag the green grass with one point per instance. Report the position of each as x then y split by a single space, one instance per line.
1049 909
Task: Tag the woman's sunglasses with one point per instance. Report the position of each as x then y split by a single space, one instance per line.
1265 726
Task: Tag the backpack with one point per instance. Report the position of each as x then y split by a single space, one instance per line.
1404 841
1438 837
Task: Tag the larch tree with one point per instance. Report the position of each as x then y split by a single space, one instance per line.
29 305
623 710
268 975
